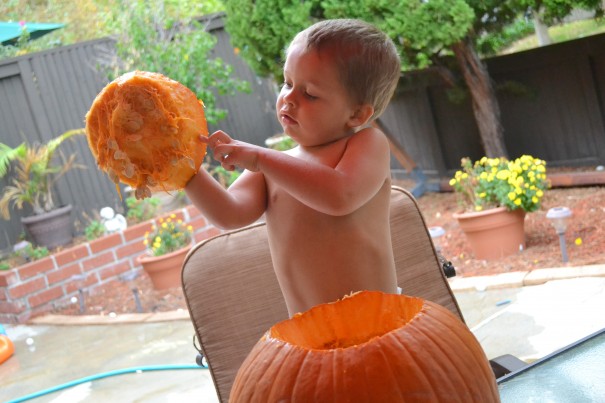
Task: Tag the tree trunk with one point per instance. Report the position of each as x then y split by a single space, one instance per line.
541 29
485 105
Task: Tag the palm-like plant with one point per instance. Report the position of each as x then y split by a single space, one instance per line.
35 174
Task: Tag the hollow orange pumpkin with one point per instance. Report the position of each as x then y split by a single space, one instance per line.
7 348
368 347
143 129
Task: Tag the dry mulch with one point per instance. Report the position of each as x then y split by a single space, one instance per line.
585 239
585 235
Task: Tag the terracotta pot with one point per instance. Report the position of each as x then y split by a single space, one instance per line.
165 270
494 233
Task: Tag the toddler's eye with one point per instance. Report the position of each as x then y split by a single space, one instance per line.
286 85
310 96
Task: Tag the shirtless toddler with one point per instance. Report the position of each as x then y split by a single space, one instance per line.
326 202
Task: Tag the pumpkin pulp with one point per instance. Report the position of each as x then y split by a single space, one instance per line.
343 325
143 129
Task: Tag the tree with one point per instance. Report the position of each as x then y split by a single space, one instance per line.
261 29
427 32
180 48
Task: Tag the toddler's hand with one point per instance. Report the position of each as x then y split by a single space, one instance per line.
232 153
217 138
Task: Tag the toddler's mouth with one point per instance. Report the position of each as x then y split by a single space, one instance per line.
287 119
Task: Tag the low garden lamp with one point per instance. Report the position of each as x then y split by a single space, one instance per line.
558 217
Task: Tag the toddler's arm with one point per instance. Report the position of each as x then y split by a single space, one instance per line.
359 174
242 204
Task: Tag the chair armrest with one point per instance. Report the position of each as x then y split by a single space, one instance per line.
505 364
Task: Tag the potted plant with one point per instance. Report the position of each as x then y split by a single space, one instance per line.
35 173
495 194
167 245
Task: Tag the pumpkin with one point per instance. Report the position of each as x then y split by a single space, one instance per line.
7 348
143 129
367 347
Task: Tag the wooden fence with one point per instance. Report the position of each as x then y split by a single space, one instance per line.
552 101
46 93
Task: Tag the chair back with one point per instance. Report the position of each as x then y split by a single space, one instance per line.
233 295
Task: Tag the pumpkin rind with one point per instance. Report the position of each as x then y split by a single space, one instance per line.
143 129
422 353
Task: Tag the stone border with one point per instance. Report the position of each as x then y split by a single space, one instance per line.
457 284
524 278
118 319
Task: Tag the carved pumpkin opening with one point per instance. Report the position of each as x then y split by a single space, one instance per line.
143 130
369 347
344 324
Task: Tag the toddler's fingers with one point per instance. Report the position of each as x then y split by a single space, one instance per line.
221 151
228 167
218 137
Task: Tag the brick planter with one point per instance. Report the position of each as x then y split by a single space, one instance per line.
37 287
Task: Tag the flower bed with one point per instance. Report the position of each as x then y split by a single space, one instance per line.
40 286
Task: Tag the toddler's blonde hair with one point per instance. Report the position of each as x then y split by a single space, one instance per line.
365 57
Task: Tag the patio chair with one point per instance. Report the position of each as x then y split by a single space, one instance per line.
233 295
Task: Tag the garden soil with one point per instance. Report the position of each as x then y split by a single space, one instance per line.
585 239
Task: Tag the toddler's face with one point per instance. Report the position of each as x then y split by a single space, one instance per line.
313 106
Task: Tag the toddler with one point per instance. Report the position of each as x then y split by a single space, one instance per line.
326 202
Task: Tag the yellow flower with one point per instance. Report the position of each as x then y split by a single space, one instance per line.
503 174
164 225
578 241
492 182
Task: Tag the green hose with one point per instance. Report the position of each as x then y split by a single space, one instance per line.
104 375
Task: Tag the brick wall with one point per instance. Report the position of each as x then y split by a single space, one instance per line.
37 287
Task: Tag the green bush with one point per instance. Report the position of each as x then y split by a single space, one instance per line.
177 46
225 178
94 230
30 253
141 210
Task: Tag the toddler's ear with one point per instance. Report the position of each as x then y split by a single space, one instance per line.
361 115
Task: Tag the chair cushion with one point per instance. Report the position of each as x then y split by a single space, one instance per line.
233 297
